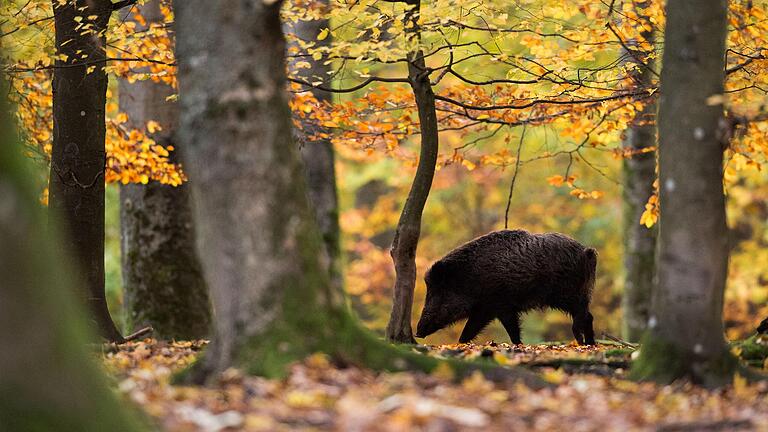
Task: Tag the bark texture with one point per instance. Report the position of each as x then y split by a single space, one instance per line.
685 338
76 194
258 241
162 278
406 240
47 381
639 241
318 154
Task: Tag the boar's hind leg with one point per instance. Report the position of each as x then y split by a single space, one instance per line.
511 323
582 328
475 324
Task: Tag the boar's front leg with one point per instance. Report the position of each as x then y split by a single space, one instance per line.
582 328
477 321
511 323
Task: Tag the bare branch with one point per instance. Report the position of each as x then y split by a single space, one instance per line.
348 89
538 102
514 176
123 4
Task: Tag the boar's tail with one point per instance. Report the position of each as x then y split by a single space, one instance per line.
590 267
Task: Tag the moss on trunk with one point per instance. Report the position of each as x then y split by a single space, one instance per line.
48 382
665 362
162 277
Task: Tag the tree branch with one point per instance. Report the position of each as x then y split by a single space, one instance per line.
537 102
122 4
514 176
348 89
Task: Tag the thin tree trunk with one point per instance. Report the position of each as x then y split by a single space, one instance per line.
47 381
258 240
318 154
406 240
685 338
639 241
78 157
163 282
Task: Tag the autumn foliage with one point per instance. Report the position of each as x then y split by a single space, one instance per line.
552 79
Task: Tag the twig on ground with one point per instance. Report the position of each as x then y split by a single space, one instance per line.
620 341
140 334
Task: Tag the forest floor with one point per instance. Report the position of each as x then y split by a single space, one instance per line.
589 392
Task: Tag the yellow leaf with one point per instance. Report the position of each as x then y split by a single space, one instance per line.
554 376
323 34
736 351
469 165
153 126
648 218
300 399
556 180
504 360
740 385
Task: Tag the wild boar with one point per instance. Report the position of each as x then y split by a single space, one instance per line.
506 273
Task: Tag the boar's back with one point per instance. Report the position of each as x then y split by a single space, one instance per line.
512 259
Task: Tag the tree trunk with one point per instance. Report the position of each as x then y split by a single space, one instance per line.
318 154
78 158
47 382
162 279
685 338
409 226
258 240
639 241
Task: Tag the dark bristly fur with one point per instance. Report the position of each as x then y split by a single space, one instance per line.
506 273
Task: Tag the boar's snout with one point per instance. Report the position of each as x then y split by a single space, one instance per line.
426 325
432 317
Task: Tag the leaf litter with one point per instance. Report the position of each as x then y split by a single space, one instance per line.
589 392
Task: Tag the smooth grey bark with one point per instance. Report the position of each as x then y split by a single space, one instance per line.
258 240
686 337
78 158
318 154
48 382
406 240
163 284
639 241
